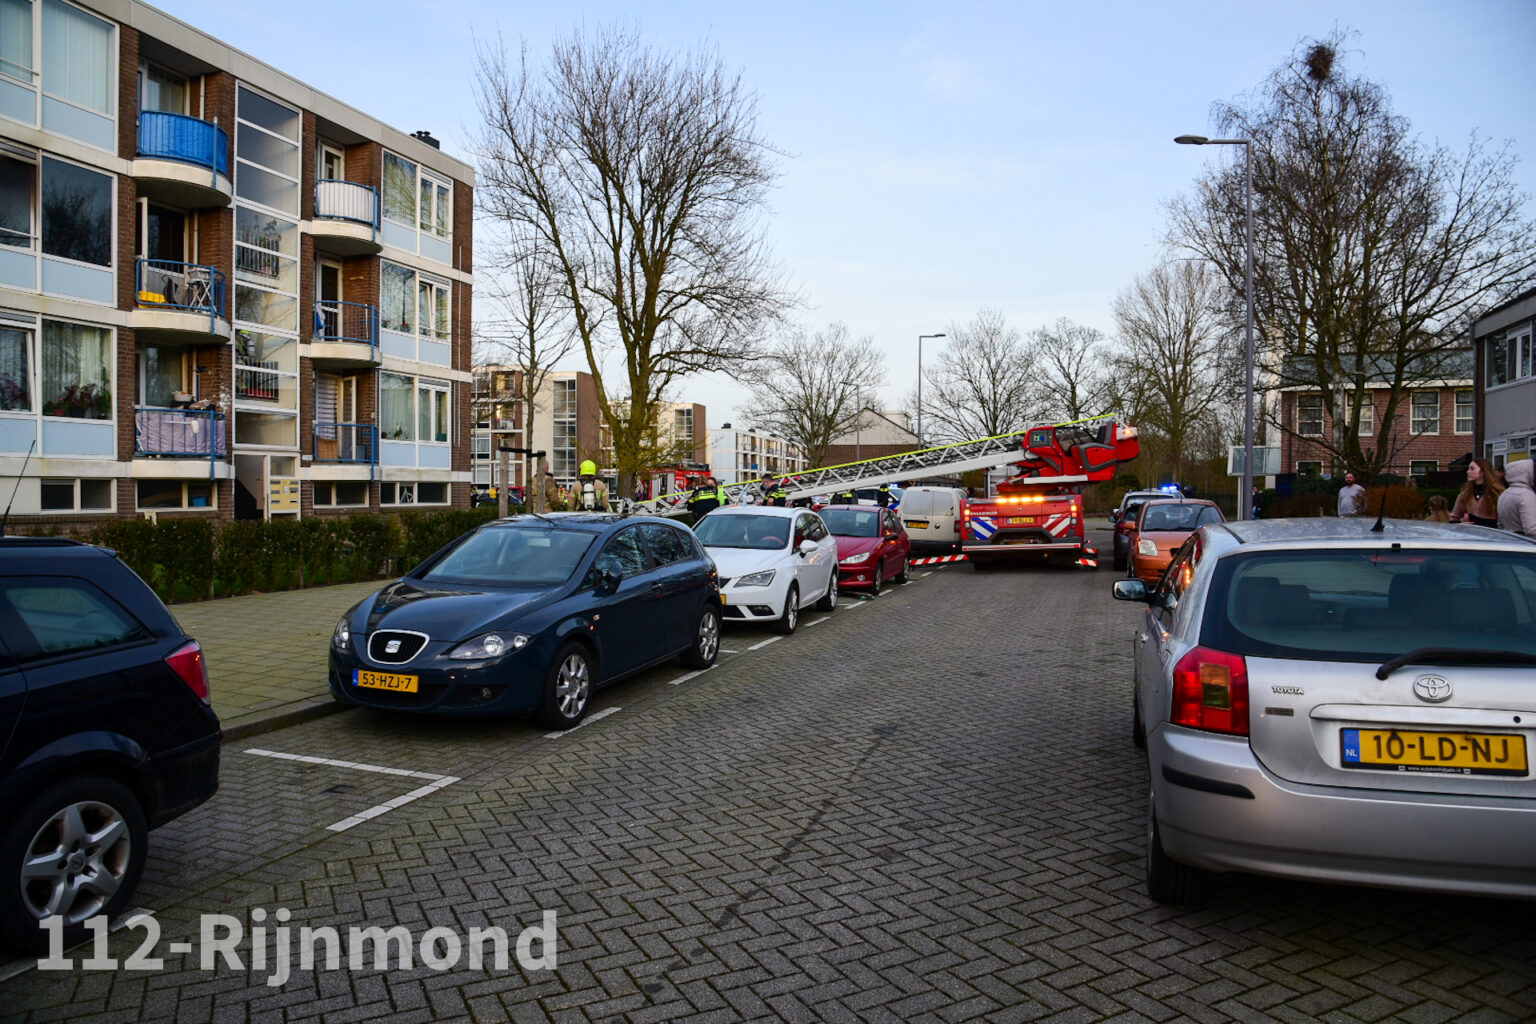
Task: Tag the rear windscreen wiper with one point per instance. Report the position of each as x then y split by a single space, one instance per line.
1454 656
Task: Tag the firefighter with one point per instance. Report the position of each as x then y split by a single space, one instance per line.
883 496
706 497
592 493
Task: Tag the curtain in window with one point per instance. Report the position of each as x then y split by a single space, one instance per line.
76 365
396 415
162 375
399 189
442 211
16 39
399 298
77 57
424 307
16 178
15 374
442 312
424 398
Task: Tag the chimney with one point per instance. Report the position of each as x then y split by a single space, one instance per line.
427 138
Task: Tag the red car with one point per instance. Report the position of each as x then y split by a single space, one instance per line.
872 546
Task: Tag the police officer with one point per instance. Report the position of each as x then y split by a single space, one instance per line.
706 497
774 493
591 493
883 496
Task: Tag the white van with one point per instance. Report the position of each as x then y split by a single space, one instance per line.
932 516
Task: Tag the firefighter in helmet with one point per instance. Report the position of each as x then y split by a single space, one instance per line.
591 493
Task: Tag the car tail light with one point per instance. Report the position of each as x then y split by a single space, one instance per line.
1210 691
188 663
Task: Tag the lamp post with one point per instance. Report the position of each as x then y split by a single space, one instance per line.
1244 499
920 338
858 421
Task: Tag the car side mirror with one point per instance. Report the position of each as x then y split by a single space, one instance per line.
610 573
1131 590
807 547
892 535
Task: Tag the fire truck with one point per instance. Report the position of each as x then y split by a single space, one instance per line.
1037 513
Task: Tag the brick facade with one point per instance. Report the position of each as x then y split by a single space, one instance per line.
1442 446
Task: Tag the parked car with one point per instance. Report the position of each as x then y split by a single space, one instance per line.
931 516
1160 527
1124 519
872 547
531 614
1325 702
773 562
105 733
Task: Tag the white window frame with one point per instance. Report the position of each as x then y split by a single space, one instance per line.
432 396
290 378
1419 424
437 330
34 236
332 486
1321 410
1471 407
32 373
185 506
440 203
76 508
37 216
1367 413
297 145
111 385
1421 467
1315 464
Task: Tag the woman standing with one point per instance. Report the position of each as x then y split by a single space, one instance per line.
1478 502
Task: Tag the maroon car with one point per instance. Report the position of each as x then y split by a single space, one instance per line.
872 546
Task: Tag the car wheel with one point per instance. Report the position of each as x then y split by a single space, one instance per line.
567 688
1168 881
75 851
786 623
1138 730
877 582
905 573
706 640
828 600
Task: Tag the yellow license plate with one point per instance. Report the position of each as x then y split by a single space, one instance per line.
917 524
384 681
1457 753
1021 520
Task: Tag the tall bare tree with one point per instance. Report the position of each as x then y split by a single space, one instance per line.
1075 371
642 175
811 388
983 383
1175 337
1372 250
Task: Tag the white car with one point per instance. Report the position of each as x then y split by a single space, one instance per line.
772 562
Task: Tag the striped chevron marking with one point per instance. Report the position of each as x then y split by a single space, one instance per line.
1057 525
983 527
937 560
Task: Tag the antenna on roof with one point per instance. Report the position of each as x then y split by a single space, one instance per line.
7 517
1381 511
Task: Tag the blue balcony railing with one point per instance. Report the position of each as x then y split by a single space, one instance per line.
355 443
180 433
187 286
347 200
187 139
354 322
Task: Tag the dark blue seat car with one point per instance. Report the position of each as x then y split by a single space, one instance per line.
105 733
530 614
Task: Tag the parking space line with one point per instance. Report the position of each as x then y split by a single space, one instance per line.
684 678
584 722
856 607
765 643
926 574
389 805
435 782
724 651
817 622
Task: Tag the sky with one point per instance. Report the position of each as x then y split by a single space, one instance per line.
941 159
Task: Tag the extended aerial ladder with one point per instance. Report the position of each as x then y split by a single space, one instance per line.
981 453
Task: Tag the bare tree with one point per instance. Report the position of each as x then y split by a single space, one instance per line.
642 176
1176 346
810 389
1075 372
1372 251
983 383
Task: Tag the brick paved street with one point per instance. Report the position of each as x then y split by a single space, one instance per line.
921 808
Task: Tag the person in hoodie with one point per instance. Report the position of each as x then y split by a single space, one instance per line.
1517 505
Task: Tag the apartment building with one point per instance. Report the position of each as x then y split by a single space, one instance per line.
737 455
222 293
1502 340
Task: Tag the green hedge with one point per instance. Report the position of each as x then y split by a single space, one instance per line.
192 559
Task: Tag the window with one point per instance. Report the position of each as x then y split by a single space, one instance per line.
175 494
266 270
1465 411
421 493
1519 357
625 548
435 212
1309 467
428 493
397 421
79 58
17 181
1309 415
76 371
346 492
1425 418
399 189
432 316
415 304
64 615
266 152
161 90
77 213
1367 414
432 411
76 495
16 39
162 373
1421 467
266 390
15 370
416 198
1498 364
668 544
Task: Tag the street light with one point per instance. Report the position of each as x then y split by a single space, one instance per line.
858 421
920 338
1245 499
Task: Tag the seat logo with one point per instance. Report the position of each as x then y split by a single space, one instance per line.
393 647
1433 689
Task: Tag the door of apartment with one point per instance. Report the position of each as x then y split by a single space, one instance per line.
328 301
336 419
333 163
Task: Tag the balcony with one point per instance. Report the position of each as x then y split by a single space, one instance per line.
180 434
182 161
178 303
347 446
346 336
346 218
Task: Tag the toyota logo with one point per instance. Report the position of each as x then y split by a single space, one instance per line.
1433 689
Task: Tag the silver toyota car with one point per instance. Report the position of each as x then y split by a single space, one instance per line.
1343 701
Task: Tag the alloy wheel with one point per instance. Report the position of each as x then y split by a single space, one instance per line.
572 685
76 862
